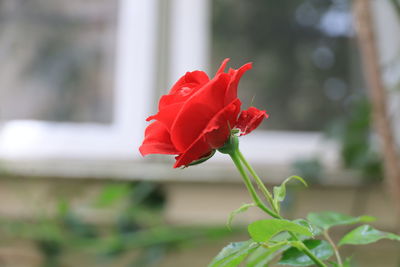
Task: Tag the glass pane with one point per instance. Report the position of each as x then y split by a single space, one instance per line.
56 59
305 63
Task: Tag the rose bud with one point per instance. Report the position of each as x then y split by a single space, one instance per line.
198 115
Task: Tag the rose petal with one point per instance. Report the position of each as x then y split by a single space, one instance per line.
231 92
194 77
213 136
157 140
197 111
221 69
195 152
167 100
167 115
250 119
186 86
222 124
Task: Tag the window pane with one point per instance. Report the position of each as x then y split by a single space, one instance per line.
56 59
305 62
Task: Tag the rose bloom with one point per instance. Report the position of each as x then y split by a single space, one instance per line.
197 116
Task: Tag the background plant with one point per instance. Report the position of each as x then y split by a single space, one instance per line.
138 235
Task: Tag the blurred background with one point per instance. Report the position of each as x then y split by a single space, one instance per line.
78 78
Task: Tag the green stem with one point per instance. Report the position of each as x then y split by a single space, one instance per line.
257 179
335 248
236 160
308 252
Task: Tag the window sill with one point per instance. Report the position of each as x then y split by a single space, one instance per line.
213 171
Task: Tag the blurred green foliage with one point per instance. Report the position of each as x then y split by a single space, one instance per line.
358 149
396 6
353 133
138 233
310 169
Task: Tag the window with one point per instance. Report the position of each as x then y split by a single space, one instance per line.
82 79
306 69
57 60
116 58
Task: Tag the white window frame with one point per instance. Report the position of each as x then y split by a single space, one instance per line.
41 141
133 94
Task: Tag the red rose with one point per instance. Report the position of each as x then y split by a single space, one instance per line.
197 116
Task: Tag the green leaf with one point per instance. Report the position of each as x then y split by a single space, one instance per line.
313 228
232 215
233 254
264 230
295 257
327 219
280 191
262 255
366 234
286 236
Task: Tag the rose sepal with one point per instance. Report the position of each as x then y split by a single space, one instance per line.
232 145
201 160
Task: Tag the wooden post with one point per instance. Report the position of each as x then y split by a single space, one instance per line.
377 93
